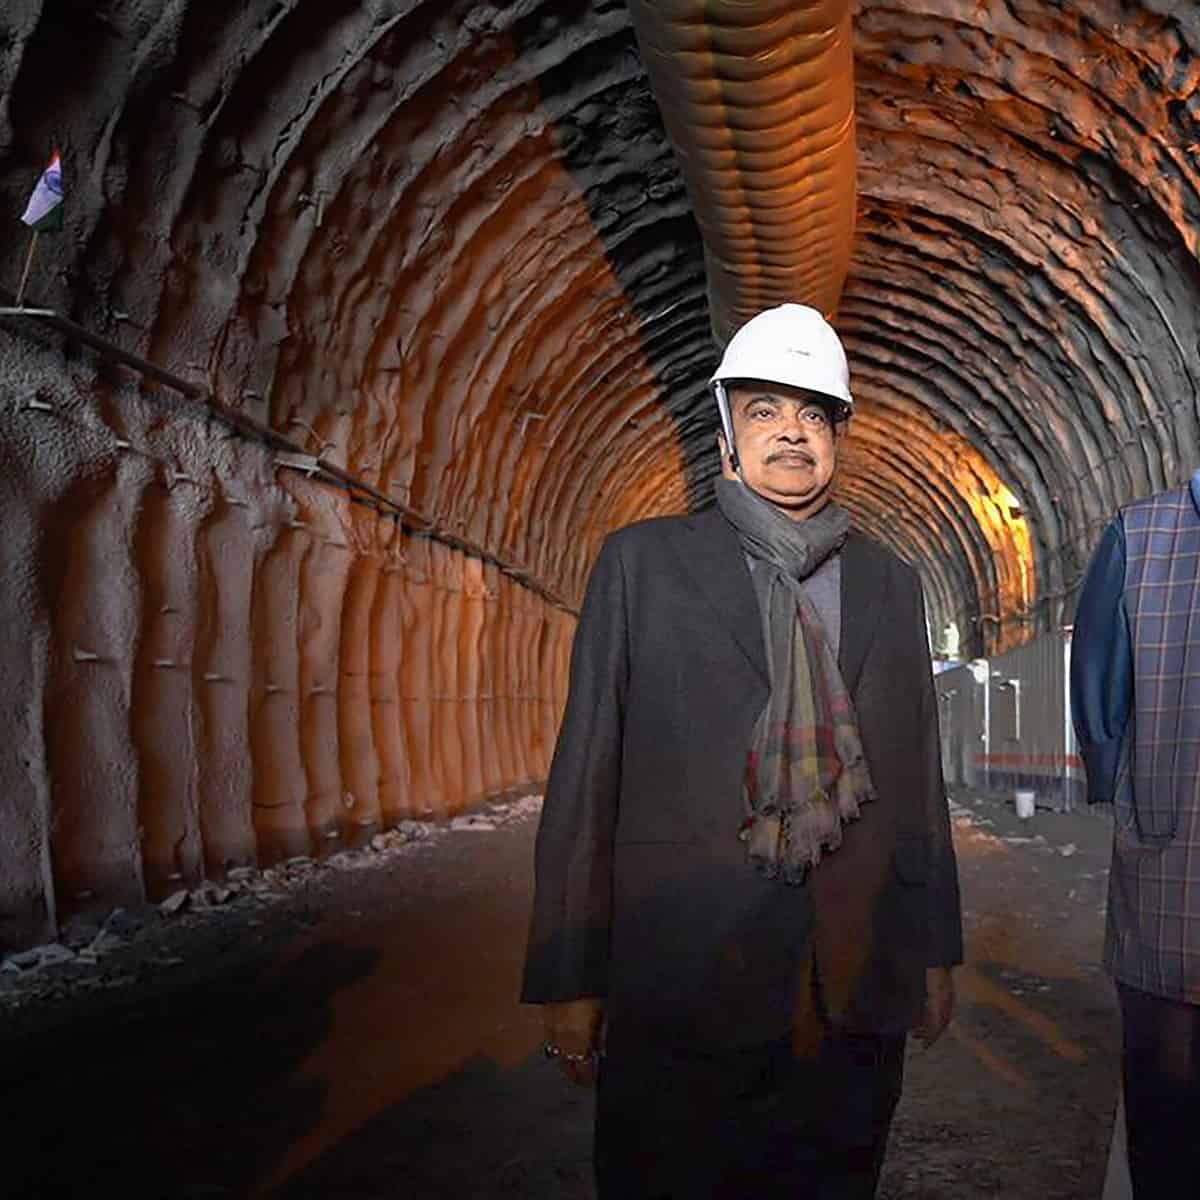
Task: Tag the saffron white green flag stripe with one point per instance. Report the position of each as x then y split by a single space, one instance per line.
45 210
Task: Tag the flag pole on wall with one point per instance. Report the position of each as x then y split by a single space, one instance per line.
43 214
28 265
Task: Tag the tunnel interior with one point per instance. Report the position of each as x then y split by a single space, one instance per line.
448 248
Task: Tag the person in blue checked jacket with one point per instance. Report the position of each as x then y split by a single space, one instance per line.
1135 698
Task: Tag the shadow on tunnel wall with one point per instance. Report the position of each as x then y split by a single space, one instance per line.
612 142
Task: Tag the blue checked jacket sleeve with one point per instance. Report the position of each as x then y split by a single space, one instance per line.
1102 666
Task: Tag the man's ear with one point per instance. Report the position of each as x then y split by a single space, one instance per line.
726 458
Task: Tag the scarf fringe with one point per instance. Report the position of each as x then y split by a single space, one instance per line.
788 845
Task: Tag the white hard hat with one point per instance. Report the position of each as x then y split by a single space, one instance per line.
791 344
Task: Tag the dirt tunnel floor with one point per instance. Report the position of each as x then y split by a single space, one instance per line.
352 1031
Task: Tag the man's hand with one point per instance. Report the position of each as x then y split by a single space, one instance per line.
573 1028
939 1005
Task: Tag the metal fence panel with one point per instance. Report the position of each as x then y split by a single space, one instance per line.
1006 723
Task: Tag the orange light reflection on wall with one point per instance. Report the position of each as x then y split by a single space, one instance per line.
1001 518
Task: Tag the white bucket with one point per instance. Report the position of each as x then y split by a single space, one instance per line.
1025 804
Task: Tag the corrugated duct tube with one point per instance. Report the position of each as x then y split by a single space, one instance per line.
758 99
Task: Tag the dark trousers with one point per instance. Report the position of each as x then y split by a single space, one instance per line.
759 1122
1161 1070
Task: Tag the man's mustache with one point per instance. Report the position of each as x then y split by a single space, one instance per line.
795 453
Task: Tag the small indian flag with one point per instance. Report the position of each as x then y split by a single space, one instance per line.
45 211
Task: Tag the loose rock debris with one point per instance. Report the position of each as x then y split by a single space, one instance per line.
83 957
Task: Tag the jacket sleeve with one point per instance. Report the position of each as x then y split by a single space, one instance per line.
567 956
945 907
1102 666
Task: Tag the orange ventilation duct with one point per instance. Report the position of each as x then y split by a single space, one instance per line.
758 100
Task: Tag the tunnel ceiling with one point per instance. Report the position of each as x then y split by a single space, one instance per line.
448 245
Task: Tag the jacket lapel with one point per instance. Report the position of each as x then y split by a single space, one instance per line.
713 556
862 578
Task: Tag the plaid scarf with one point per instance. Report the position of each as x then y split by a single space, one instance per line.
805 771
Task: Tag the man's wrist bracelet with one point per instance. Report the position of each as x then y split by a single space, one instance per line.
551 1051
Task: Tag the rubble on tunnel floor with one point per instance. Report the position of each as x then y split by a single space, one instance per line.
126 947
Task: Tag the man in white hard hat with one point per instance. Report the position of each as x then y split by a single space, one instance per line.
746 888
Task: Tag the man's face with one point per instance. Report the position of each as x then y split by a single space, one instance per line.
786 444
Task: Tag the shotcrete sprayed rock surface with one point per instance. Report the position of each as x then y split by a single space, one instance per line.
355 1032
446 246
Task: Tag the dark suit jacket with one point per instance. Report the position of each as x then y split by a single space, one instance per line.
644 895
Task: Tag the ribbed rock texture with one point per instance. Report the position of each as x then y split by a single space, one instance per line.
448 247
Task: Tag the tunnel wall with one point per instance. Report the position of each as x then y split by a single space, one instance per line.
445 245
208 662
1026 267
412 238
